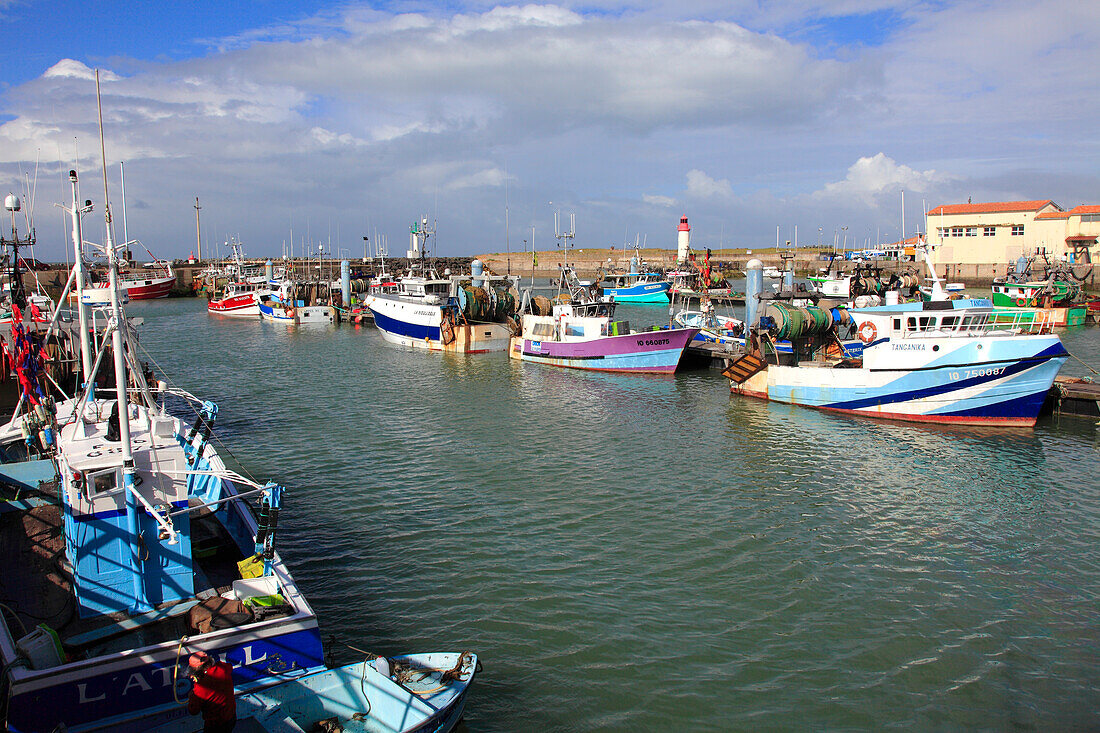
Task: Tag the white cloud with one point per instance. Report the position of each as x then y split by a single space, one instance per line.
872 177
329 139
486 178
69 68
550 68
657 200
702 186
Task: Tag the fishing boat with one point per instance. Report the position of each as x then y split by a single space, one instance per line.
421 692
940 361
132 545
282 304
465 314
273 308
635 287
1051 298
579 332
1019 289
712 328
245 285
689 286
151 281
241 299
146 283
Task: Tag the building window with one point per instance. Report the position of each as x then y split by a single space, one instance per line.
1017 230
989 231
1090 217
956 231
945 232
972 231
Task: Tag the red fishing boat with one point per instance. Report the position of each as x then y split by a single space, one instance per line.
148 283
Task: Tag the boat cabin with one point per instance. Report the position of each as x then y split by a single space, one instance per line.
575 322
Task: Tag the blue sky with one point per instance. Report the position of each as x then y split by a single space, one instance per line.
352 118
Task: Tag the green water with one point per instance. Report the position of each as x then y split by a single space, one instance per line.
648 553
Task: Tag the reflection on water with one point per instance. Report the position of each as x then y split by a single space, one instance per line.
627 551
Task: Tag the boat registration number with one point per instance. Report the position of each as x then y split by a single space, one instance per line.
972 373
652 342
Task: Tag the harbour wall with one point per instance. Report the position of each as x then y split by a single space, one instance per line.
806 262
587 262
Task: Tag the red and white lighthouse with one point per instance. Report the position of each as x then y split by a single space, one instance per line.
683 240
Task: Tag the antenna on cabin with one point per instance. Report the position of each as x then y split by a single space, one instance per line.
565 237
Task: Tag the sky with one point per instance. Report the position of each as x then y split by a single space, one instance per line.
319 123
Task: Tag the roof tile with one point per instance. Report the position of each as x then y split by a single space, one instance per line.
991 208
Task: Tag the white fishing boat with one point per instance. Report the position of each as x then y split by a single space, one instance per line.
941 362
469 314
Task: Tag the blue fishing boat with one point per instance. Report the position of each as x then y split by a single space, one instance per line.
941 362
644 287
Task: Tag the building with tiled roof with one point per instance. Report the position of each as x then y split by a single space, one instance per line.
998 207
1001 231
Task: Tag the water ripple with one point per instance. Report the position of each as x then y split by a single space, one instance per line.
648 553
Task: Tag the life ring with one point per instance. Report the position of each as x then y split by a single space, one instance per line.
1021 302
867 332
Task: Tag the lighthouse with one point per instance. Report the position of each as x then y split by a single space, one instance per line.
683 240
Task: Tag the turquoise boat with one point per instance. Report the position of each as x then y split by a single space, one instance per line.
635 287
415 692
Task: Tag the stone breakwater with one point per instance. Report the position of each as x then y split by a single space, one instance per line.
806 262
587 261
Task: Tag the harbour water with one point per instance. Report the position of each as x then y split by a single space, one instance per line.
648 553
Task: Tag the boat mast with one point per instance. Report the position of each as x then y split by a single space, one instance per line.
122 179
141 602
78 266
198 231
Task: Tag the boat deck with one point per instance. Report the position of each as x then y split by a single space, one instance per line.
37 583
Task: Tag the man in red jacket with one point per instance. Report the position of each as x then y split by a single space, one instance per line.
212 694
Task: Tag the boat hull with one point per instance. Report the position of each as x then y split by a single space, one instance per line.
277 312
150 289
420 325
653 292
648 352
119 693
1006 388
237 306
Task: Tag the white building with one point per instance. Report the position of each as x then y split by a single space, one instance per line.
1000 232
